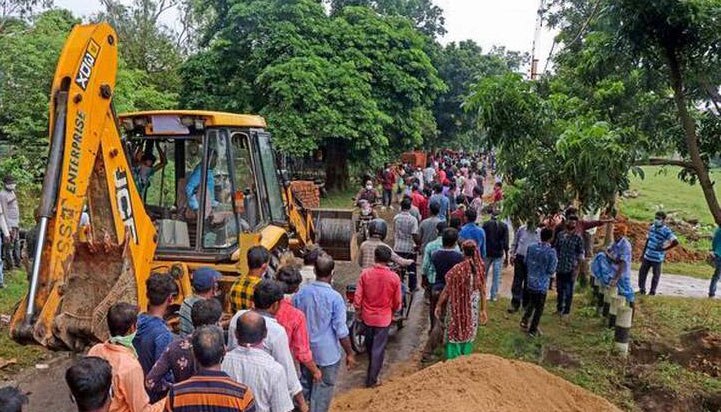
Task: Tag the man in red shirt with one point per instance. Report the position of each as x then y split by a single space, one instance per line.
388 180
294 322
377 296
497 192
419 201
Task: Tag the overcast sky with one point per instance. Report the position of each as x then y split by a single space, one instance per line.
509 23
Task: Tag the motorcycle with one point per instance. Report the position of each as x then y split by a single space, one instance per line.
366 213
356 326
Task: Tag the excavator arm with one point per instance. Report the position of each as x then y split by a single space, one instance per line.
73 283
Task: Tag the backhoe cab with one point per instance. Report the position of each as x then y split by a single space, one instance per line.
174 152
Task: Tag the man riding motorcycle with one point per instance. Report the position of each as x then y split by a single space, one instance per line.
368 193
377 230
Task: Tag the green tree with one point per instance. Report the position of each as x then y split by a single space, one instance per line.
28 53
426 16
146 44
683 38
552 154
358 84
12 10
650 69
28 56
460 66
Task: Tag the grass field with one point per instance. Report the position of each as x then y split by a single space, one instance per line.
339 200
582 351
662 190
25 356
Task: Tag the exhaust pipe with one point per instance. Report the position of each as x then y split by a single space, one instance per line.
49 196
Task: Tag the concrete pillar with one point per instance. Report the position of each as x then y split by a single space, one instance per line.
622 336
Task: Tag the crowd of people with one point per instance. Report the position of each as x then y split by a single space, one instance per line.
288 337
282 351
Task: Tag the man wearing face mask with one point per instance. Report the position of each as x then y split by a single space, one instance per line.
11 210
367 193
660 239
128 390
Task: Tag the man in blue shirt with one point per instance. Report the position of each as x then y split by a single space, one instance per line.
325 313
153 335
716 252
541 261
442 201
471 231
660 239
192 186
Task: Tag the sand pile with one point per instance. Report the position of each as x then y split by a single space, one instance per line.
475 383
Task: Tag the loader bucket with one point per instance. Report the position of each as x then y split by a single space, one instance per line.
334 231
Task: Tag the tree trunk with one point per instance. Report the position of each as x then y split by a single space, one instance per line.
336 166
689 127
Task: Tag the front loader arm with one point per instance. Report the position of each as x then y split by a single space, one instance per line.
73 284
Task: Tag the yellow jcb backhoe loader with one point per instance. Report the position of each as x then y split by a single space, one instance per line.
136 183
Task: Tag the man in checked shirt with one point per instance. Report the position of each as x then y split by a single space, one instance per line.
241 293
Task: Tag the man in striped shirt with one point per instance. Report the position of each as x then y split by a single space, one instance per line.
660 239
211 389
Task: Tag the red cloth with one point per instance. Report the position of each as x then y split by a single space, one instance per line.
497 195
420 201
378 295
293 320
441 175
459 213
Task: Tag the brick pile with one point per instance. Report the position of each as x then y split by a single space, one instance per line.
306 192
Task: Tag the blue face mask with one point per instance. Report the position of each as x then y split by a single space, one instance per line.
658 222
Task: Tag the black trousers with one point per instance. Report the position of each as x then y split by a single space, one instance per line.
643 274
565 284
534 309
376 341
411 270
519 290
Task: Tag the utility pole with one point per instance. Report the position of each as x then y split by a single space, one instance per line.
536 37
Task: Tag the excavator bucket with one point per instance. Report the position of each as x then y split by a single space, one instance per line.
334 232
74 281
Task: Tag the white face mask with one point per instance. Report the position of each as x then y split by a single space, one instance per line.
369 187
10 187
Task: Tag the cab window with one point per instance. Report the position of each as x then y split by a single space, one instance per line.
247 206
220 227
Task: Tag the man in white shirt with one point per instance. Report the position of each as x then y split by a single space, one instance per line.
251 365
266 299
4 238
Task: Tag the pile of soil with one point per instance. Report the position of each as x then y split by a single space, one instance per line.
701 351
475 383
638 232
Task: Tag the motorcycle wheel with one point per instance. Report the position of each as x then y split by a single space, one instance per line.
357 337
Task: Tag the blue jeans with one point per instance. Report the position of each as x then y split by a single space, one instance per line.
716 276
497 265
319 394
